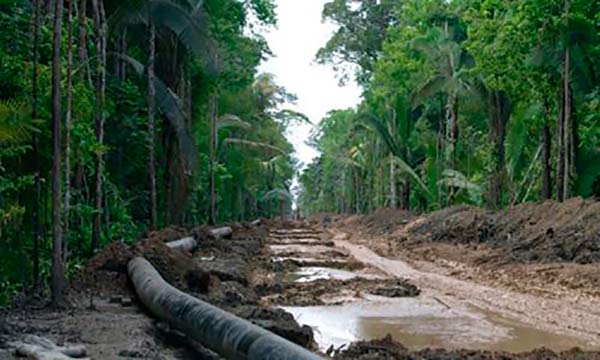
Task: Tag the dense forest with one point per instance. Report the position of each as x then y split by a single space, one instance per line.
119 117
484 102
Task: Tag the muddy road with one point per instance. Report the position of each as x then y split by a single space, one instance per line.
446 312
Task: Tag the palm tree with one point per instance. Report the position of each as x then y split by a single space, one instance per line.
395 134
450 78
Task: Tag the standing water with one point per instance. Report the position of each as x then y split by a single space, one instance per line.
424 322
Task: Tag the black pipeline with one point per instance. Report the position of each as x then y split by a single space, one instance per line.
224 333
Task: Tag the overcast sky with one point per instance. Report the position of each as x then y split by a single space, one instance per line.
295 42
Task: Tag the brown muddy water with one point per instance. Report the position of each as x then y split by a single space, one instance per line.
424 322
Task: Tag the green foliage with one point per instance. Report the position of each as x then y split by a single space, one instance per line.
461 92
202 48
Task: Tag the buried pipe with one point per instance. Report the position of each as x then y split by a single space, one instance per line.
189 243
224 333
185 244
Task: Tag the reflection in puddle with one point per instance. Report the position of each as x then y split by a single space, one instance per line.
308 274
422 322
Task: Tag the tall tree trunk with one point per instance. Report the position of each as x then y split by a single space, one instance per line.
99 117
452 127
68 116
393 183
405 195
560 169
212 157
122 63
58 277
546 162
82 42
36 146
564 143
151 135
574 139
441 150
567 124
392 129
500 110
562 180
499 107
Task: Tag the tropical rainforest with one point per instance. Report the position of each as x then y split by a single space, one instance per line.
484 102
121 117
118 117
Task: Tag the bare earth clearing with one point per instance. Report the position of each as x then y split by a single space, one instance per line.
496 284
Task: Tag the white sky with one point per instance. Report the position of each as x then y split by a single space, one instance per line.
298 37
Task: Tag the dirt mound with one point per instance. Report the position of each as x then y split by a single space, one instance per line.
456 225
551 231
171 233
105 274
547 232
385 348
114 257
176 267
389 349
385 220
279 322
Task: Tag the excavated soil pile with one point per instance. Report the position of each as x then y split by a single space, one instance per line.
106 273
385 220
547 232
279 322
219 272
388 349
171 233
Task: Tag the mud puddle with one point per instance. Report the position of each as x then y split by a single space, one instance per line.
314 273
424 322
